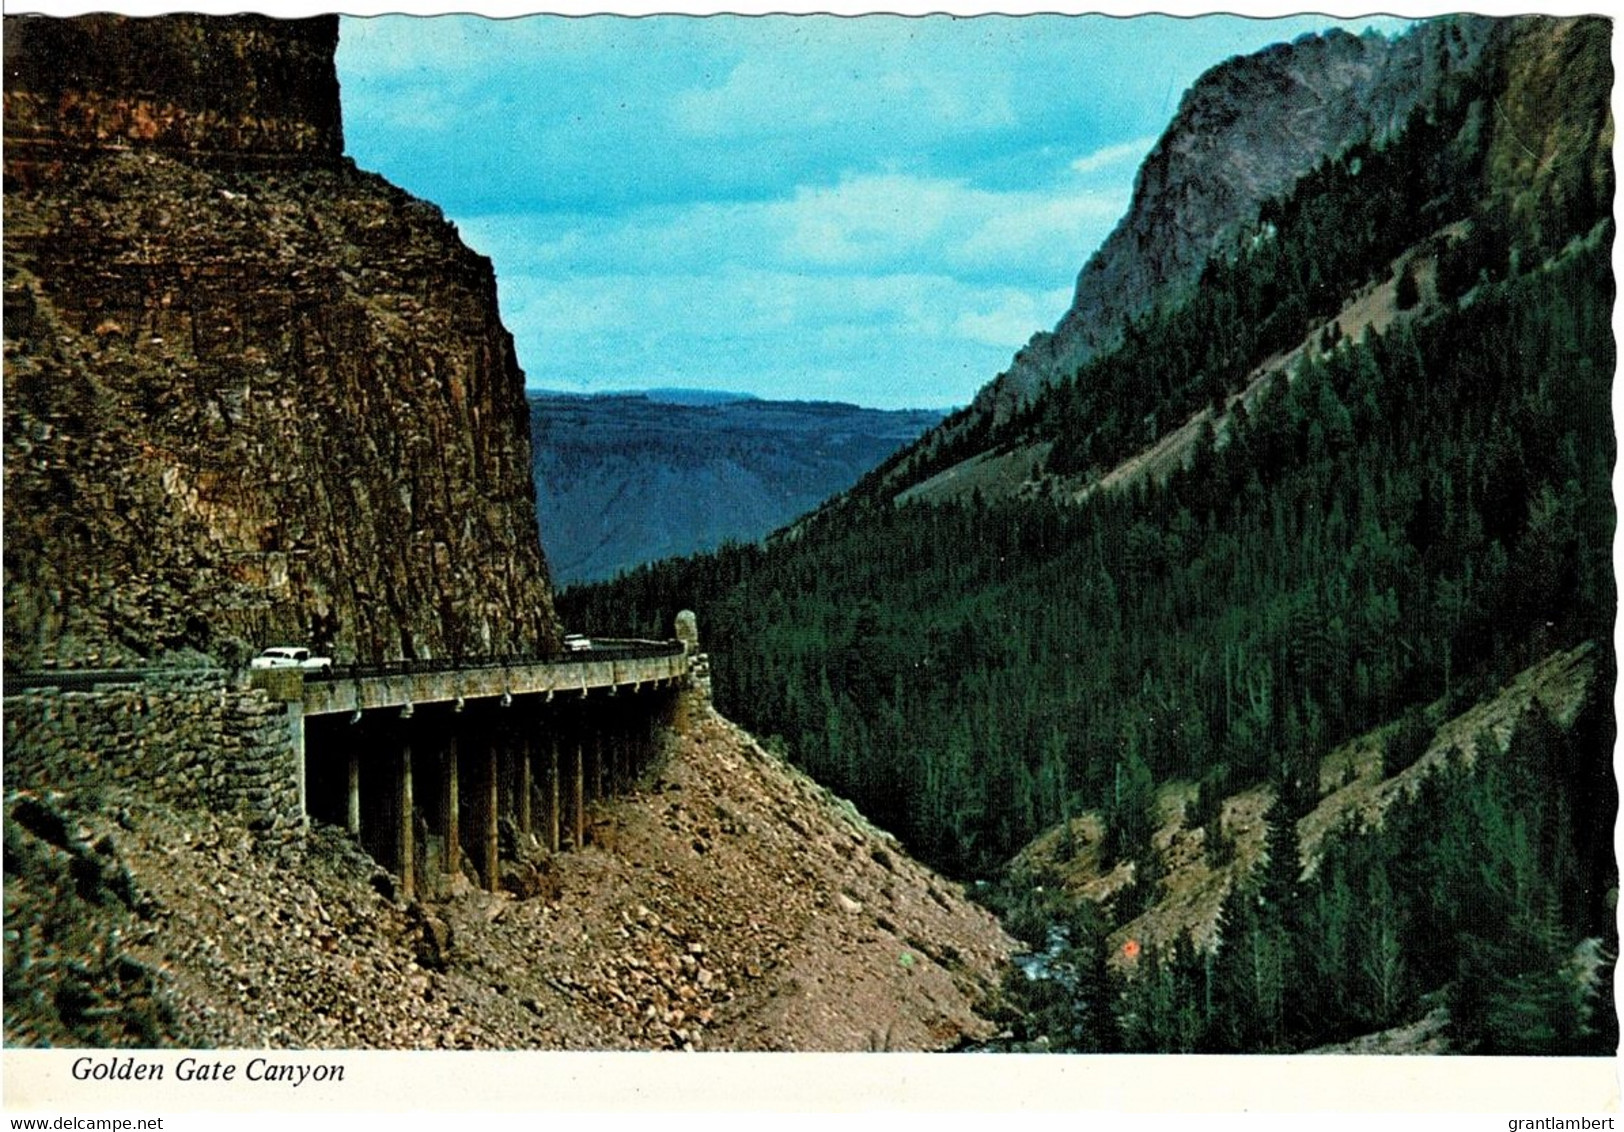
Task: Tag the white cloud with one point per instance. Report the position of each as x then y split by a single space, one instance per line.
877 224
931 283
1113 155
1049 234
844 78
904 339
905 223
1010 323
757 97
873 220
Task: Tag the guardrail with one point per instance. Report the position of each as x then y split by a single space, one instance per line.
85 679
600 650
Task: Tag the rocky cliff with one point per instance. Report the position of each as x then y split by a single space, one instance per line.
245 91
252 393
1245 132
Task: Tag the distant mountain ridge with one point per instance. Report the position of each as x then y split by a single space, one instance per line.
665 395
627 478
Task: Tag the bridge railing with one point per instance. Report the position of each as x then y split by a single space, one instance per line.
602 649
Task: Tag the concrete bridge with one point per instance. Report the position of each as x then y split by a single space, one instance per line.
441 770
607 666
444 770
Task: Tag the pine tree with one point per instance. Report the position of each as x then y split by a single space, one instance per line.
1408 292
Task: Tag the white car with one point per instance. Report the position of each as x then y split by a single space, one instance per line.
290 656
577 642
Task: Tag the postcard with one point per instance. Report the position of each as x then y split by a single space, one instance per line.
886 563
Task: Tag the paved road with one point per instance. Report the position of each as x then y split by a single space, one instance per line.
85 679
600 650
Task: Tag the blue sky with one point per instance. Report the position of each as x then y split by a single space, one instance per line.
878 210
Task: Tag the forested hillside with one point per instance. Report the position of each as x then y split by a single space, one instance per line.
1374 536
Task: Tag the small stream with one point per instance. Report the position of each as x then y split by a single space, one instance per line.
1053 965
1049 996
1049 963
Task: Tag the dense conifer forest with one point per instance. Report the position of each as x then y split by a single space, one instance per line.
1389 534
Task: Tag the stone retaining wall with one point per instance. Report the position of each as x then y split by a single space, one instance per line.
194 739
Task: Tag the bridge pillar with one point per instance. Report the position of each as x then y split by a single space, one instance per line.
526 785
405 847
579 808
597 762
490 844
450 805
552 792
625 764
626 752
296 741
352 808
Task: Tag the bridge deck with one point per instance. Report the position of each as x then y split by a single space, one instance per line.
630 665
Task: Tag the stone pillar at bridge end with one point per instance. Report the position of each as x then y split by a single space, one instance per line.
687 629
699 679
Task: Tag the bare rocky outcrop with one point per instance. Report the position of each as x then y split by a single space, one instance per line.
252 394
1245 132
246 91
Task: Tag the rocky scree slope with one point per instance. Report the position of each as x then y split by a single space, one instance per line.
252 394
1244 133
727 903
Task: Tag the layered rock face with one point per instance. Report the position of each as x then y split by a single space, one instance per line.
244 90
252 395
1245 132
